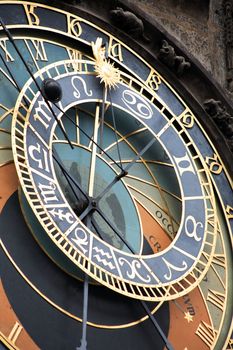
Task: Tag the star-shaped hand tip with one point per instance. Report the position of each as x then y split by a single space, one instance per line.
188 317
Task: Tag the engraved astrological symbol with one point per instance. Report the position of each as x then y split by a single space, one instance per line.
80 239
74 81
194 225
134 266
173 267
59 213
100 257
137 104
36 154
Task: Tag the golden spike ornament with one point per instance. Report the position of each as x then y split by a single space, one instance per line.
108 74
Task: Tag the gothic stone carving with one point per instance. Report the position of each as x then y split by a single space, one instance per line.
128 22
168 56
222 119
228 24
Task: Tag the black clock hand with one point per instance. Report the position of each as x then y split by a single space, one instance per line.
89 138
94 203
143 303
11 39
125 170
82 197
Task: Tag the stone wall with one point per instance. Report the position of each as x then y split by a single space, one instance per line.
199 27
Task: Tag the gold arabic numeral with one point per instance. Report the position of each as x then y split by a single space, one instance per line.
73 26
229 212
33 19
216 298
3 45
14 333
40 53
153 80
206 333
214 165
187 119
115 50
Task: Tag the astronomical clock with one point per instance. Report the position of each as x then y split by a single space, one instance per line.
116 198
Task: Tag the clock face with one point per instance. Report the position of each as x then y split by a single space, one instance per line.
116 209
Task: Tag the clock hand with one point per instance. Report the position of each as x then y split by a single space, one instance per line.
158 328
105 92
124 171
11 39
93 204
115 128
83 345
94 150
89 138
82 197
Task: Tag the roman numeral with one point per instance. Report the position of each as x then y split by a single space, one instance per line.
3 46
40 53
15 332
216 298
218 259
206 333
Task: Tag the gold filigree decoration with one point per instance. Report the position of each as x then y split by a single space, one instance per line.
105 70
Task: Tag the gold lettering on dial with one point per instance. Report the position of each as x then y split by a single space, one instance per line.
216 298
3 46
153 80
114 49
33 19
40 54
214 164
76 56
187 119
74 26
206 333
15 332
229 211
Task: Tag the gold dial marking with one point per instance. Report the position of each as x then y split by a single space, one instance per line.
206 333
188 317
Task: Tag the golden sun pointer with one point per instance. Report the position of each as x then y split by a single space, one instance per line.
108 74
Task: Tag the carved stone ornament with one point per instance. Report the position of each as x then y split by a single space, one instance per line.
228 25
128 22
168 56
222 118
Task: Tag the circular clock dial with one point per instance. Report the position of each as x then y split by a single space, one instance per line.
141 202
141 276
